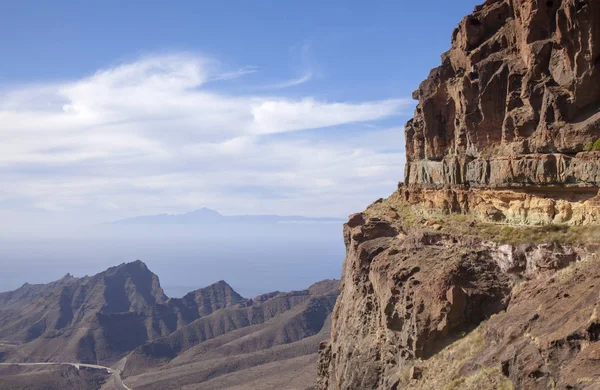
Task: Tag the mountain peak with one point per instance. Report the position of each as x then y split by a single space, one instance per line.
205 215
205 300
207 210
135 267
221 288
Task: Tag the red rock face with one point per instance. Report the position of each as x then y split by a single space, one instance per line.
503 133
522 78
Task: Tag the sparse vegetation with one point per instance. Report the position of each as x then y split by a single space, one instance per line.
588 380
405 376
592 146
396 209
515 234
569 272
442 370
491 151
518 287
486 378
540 234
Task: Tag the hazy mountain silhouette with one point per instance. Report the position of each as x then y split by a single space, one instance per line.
209 216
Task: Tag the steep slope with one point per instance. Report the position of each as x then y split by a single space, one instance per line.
501 186
547 338
62 377
212 338
215 351
97 319
204 301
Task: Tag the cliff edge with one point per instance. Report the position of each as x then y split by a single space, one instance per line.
482 270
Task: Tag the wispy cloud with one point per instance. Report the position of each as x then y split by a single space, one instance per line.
157 135
292 82
235 74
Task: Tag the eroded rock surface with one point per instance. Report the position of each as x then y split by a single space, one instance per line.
409 290
515 100
480 272
404 295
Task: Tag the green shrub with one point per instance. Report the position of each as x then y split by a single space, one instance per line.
592 146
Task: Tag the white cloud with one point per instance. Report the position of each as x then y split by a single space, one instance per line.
155 135
292 82
274 116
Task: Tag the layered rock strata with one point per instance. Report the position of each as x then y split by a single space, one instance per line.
412 288
514 105
480 271
515 100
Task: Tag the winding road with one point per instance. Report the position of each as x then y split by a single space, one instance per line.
115 373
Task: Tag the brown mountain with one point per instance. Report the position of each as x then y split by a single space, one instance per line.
481 271
121 318
275 334
91 320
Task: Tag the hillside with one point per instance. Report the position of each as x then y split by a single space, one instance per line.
97 319
278 332
480 271
121 318
61 377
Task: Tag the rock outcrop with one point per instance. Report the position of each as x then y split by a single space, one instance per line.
515 104
413 287
515 100
410 291
470 276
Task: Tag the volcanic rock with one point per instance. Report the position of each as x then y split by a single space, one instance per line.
480 271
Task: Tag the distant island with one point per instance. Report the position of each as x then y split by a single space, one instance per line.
206 215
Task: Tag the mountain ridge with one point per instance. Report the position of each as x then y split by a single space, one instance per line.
206 215
122 318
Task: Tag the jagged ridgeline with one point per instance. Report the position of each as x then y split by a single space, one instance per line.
482 271
120 318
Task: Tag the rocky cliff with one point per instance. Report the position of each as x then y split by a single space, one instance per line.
514 105
481 271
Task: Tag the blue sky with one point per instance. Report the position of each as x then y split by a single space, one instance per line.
113 109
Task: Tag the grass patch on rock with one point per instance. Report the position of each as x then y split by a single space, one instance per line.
395 209
443 371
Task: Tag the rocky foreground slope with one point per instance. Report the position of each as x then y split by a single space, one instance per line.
482 270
